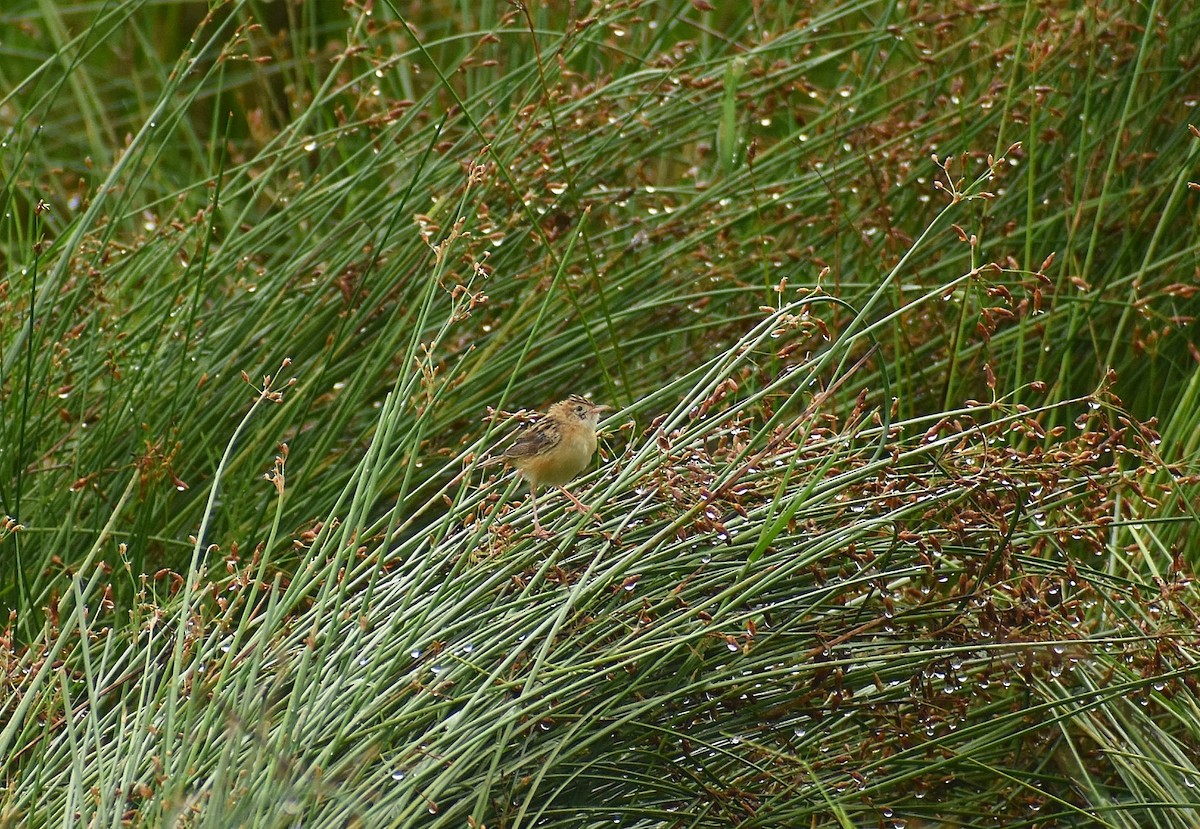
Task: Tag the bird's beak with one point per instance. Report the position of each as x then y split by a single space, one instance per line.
603 408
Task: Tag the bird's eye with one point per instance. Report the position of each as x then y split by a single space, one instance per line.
580 410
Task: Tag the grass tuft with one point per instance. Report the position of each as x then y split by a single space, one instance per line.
891 525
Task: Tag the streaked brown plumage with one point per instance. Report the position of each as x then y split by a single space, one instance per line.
555 448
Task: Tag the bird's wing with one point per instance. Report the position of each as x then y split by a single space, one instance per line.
533 441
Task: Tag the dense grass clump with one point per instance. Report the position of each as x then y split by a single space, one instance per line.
892 525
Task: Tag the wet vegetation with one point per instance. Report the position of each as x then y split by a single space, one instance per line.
892 526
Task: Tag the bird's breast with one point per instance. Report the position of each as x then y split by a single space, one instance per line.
563 463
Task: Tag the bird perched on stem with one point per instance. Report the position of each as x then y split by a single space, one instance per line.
555 448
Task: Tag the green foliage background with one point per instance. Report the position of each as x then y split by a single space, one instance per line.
893 524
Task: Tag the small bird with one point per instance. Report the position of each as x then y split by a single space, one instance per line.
555 448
